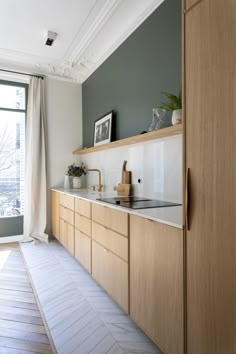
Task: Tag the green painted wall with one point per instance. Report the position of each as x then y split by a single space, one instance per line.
130 81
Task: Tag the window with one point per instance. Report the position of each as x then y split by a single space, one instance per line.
13 97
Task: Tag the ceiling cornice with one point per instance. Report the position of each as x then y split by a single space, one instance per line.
94 42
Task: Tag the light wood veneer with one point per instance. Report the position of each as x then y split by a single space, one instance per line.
55 213
113 219
112 273
210 32
157 134
111 240
83 224
83 207
83 249
156 282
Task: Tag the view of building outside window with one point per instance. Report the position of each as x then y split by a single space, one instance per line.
12 149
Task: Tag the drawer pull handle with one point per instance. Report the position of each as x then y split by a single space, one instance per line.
187 198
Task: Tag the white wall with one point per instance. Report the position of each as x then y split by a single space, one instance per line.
64 129
157 163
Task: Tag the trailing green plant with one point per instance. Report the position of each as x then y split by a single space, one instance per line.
173 102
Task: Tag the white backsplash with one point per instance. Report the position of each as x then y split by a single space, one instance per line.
157 163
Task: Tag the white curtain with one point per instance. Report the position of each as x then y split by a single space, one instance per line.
35 215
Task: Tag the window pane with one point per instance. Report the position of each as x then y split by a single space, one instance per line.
12 97
12 161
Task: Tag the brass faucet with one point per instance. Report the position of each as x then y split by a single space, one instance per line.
99 177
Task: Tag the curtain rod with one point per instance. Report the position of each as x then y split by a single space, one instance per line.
21 73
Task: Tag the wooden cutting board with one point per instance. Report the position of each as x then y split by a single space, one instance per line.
126 175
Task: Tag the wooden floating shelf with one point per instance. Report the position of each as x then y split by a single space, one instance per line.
156 134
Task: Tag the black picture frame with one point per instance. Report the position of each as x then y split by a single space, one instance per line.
103 129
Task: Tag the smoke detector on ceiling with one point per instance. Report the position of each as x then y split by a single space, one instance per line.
50 38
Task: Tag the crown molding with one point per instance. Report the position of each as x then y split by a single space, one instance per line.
94 42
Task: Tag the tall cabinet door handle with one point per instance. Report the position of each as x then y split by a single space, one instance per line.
187 197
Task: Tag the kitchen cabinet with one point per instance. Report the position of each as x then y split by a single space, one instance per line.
110 252
190 3
111 272
67 236
55 214
83 243
67 220
112 218
210 110
156 282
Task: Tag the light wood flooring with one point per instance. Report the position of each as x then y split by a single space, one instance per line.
21 326
81 317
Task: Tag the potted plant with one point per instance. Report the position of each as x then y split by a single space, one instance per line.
174 104
76 172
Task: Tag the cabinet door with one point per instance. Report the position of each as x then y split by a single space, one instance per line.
112 273
63 232
190 3
210 49
55 202
70 239
83 249
156 282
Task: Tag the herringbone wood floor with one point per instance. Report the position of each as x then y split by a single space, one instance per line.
21 326
81 317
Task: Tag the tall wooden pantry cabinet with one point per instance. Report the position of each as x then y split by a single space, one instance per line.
210 150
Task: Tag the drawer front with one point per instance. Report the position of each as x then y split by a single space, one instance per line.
112 273
67 215
111 240
67 201
83 249
113 219
83 224
83 207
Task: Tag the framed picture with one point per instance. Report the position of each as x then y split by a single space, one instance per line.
103 129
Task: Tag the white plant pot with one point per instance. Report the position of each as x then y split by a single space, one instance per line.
177 116
67 182
77 182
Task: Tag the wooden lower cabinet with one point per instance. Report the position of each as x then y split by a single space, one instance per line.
114 219
83 249
156 282
112 273
55 214
67 237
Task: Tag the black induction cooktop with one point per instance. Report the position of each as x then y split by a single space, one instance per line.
138 202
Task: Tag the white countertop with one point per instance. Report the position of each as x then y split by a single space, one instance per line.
172 216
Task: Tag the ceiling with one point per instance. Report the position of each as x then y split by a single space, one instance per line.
88 31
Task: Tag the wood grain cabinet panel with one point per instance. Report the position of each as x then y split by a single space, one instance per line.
67 215
55 214
67 236
70 239
111 240
83 249
190 3
113 219
156 282
67 201
83 207
210 108
112 273
83 224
